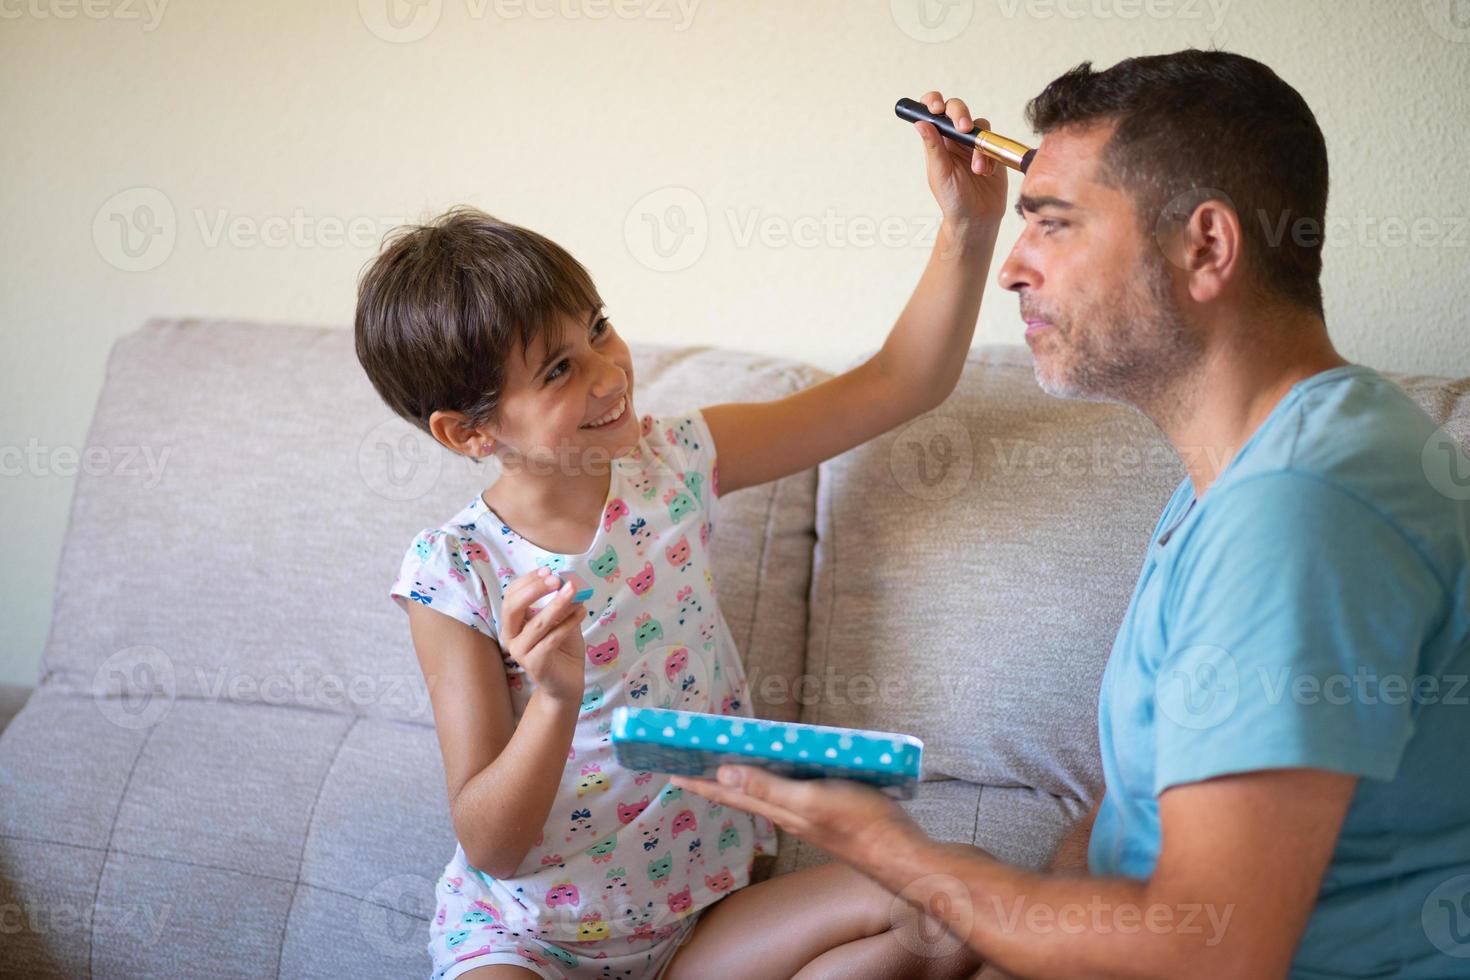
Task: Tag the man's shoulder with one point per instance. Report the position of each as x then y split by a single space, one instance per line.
1355 436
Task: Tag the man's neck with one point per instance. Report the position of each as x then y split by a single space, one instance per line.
1210 414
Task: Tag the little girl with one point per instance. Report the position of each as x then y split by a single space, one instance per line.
492 339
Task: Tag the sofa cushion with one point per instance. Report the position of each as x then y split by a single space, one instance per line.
251 562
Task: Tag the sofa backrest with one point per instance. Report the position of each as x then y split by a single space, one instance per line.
251 560
973 568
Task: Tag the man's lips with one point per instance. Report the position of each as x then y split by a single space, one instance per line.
1034 327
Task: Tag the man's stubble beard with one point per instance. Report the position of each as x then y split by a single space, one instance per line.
1140 352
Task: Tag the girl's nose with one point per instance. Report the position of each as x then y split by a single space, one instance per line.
611 380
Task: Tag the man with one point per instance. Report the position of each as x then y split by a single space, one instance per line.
1282 738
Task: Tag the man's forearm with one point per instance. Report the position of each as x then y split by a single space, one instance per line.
1050 925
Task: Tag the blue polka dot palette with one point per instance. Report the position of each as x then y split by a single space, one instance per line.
688 743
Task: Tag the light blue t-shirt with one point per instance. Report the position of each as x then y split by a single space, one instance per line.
1312 609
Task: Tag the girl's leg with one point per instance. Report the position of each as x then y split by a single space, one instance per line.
783 924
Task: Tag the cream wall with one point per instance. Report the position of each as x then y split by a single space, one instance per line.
272 143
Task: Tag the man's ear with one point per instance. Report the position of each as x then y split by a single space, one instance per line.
453 431
1208 248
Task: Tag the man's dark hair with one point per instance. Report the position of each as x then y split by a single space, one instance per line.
1197 121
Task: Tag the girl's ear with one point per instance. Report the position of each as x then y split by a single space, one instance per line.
453 431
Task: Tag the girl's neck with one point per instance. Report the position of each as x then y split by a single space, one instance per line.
559 513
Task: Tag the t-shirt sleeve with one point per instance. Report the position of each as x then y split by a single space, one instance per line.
689 449
1295 620
437 572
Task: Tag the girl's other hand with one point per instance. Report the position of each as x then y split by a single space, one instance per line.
968 185
548 643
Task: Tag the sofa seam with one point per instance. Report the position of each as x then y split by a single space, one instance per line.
760 565
975 830
306 839
107 851
823 521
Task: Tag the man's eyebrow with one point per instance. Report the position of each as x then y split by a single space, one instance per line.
591 319
1024 204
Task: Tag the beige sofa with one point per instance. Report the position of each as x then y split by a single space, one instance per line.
228 766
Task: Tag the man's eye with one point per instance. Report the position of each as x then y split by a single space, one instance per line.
1050 225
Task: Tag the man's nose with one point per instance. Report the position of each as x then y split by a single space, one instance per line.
1016 274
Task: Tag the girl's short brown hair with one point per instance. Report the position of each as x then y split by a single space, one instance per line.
444 304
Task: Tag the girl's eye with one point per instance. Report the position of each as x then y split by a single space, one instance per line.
602 326
557 371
